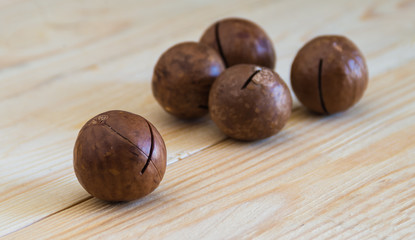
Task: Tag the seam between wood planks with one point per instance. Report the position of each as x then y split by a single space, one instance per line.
177 159
191 154
50 215
90 197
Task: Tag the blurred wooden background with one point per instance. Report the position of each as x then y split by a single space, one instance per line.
347 176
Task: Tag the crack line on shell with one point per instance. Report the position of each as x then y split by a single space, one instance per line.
250 79
158 172
320 70
151 149
128 140
220 45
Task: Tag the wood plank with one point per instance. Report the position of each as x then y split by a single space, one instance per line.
322 177
86 52
50 88
78 35
40 157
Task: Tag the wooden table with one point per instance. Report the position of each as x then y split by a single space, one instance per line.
346 176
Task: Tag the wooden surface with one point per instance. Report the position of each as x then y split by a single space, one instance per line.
347 176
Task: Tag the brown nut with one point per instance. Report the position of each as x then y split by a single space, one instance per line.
248 102
119 156
329 74
240 41
183 76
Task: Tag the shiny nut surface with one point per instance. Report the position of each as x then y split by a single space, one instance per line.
183 76
248 102
119 156
329 74
240 41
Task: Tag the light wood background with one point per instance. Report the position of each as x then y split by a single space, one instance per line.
347 176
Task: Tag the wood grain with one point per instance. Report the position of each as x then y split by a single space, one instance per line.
348 176
322 188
